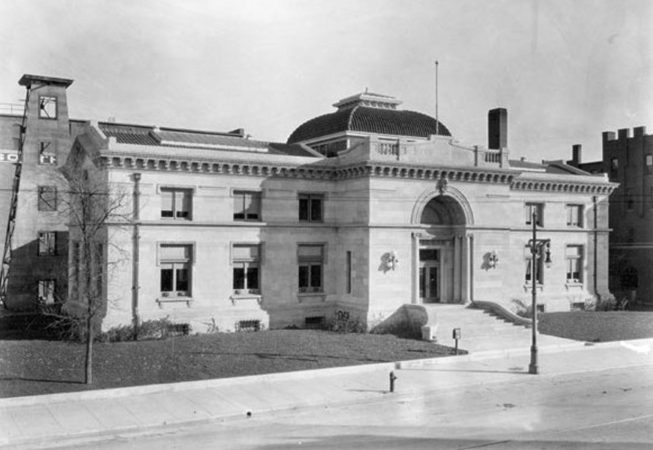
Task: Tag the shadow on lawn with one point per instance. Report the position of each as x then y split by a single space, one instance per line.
27 327
305 358
40 380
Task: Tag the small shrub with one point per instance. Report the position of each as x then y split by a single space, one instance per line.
120 333
590 304
148 330
212 327
347 325
607 304
401 330
59 327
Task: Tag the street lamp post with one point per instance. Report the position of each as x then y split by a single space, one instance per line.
536 245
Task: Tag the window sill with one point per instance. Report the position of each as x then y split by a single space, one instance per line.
238 297
528 287
162 300
301 296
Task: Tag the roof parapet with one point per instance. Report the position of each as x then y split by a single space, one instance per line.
27 80
624 133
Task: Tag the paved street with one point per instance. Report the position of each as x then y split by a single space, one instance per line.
603 408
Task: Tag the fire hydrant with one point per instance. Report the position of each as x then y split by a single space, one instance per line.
393 377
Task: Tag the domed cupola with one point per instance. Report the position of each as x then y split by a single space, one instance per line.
369 113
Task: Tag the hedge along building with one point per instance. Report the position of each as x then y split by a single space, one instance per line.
364 210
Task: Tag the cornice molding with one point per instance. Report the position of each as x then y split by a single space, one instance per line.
332 172
575 187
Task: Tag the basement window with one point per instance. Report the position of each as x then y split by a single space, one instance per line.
248 325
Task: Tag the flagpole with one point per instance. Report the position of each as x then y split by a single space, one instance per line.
437 121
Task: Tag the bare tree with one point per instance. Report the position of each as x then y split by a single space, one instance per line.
91 206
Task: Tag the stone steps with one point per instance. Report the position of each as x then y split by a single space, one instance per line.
481 330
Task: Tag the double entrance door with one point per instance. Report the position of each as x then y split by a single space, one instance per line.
429 275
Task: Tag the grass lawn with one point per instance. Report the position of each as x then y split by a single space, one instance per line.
598 326
31 367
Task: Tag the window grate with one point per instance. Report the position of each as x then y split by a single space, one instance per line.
248 325
315 322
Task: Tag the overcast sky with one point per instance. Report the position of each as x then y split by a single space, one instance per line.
566 70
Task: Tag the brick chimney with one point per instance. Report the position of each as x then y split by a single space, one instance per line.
497 128
576 154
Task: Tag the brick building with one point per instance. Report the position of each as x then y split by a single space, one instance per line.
628 160
40 241
362 211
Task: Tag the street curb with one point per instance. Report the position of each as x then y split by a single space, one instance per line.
191 385
314 373
633 344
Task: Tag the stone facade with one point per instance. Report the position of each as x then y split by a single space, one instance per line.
219 231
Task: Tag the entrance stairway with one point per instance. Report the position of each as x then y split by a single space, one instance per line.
481 330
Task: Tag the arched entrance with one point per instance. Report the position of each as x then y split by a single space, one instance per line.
441 251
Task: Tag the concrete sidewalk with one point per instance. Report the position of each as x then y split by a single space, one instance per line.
39 420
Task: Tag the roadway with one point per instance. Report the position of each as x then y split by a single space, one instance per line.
608 408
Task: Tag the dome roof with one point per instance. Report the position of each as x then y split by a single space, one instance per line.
380 116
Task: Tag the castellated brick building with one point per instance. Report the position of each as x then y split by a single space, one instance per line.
365 211
628 160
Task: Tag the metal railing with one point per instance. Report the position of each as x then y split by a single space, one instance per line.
12 108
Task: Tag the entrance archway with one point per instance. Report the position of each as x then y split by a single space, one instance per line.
441 250
443 211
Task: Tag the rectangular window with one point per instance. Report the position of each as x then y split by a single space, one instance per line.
574 260
630 201
176 203
98 271
310 207
47 155
75 269
175 270
246 261
539 268
648 164
47 107
614 168
538 209
247 205
47 243
348 272
46 292
311 261
575 216
47 198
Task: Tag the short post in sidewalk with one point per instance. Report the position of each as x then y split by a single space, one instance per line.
393 377
456 336
536 246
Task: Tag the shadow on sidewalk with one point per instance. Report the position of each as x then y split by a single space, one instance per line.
378 391
512 370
